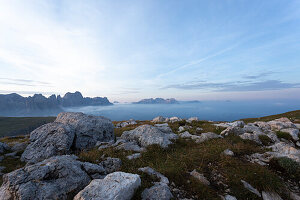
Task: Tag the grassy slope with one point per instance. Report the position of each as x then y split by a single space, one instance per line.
10 126
292 115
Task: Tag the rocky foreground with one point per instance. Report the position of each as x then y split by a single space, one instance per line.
84 157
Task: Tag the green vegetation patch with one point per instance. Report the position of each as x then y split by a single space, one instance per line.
265 140
287 166
11 126
284 135
294 116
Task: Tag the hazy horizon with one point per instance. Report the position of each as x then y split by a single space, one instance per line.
132 50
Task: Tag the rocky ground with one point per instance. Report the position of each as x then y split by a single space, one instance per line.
85 157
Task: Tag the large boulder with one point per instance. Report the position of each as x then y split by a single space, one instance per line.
281 123
70 131
146 135
88 129
115 186
48 140
59 177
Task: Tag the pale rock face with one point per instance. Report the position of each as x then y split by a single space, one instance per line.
181 128
250 188
263 125
239 124
281 123
283 149
115 186
164 127
200 177
250 136
58 177
298 126
146 135
48 140
292 131
270 196
87 128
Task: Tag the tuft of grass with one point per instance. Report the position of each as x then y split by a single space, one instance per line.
284 135
265 140
287 166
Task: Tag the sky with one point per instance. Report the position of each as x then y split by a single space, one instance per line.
128 50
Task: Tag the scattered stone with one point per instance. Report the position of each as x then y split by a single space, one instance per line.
282 149
18 147
198 129
111 164
134 156
159 119
270 196
152 172
157 192
198 139
199 177
232 130
250 188
115 186
4 147
160 190
130 146
250 136
191 119
175 119
228 152
229 197
127 123
181 128
146 135
58 177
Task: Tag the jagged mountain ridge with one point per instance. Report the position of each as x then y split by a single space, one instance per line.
15 104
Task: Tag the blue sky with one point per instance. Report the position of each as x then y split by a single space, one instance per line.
128 50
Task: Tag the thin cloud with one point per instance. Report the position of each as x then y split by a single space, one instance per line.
261 75
236 86
23 82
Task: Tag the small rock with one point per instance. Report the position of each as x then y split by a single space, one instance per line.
134 156
4 147
250 188
111 164
180 129
115 186
146 135
228 152
229 197
200 177
270 196
157 192
159 119
152 172
18 147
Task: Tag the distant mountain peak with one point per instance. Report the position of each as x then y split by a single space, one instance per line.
157 101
